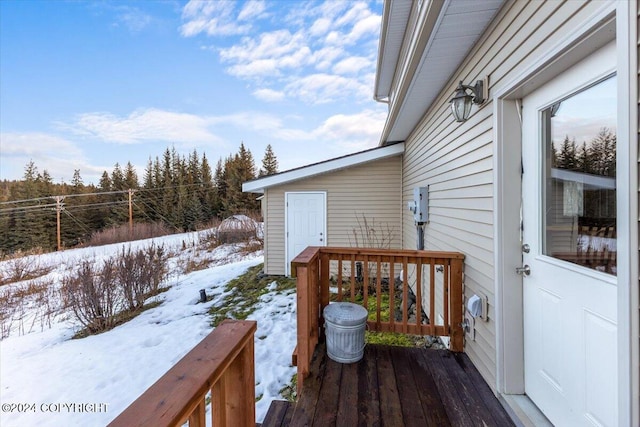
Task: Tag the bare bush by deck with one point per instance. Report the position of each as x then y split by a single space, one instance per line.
101 297
140 273
371 234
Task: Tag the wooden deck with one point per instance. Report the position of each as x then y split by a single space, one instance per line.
392 386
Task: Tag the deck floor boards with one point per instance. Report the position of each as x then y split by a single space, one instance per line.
394 386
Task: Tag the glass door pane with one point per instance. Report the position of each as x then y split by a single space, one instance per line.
579 200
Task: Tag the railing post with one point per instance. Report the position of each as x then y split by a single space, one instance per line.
457 332
304 322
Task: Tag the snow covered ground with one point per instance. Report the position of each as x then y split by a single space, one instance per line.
49 379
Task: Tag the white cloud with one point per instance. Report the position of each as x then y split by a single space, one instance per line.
317 53
133 18
211 17
352 65
320 27
267 55
368 26
252 9
268 95
143 126
58 156
324 88
356 131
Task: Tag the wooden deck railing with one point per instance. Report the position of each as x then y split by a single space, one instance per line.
220 366
370 277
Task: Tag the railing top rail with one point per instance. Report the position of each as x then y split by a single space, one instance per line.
392 252
172 398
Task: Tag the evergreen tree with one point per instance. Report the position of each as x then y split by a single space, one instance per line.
239 170
567 155
269 163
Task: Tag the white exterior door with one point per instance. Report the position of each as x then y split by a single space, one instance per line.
306 221
569 226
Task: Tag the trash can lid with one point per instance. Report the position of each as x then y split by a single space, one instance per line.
345 313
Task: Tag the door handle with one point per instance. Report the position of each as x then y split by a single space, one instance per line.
525 270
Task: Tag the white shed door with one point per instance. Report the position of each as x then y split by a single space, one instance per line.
569 226
306 223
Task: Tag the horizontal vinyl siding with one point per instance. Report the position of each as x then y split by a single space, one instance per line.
372 189
456 159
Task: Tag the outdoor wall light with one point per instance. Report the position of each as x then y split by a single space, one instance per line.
462 100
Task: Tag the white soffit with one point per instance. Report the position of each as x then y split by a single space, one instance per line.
259 185
458 28
397 12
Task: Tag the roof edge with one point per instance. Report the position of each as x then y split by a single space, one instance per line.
260 184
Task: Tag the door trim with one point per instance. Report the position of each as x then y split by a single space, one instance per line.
575 46
287 264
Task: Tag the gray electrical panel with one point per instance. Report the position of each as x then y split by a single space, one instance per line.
419 206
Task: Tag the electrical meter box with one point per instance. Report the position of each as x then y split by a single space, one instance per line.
419 206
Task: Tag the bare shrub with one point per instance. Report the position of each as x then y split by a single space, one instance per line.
40 296
8 309
209 239
371 234
21 253
140 273
121 233
93 296
102 297
192 265
22 268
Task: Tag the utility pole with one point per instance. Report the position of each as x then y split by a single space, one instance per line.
59 207
131 211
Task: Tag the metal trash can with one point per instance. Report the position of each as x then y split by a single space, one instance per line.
344 326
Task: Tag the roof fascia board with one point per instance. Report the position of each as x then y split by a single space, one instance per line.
430 14
260 184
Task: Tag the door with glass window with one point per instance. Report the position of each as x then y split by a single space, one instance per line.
569 244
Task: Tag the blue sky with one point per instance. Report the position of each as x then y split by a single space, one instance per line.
88 84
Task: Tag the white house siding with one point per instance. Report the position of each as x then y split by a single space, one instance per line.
456 159
372 189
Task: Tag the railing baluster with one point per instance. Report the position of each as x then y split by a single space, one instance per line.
218 399
340 279
432 291
447 293
378 290
392 298
419 294
353 278
405 294
365 282
197 417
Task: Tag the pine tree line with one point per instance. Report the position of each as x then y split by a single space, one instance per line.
179 191
595 157
598 157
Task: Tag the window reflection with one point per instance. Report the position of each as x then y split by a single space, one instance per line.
579 135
